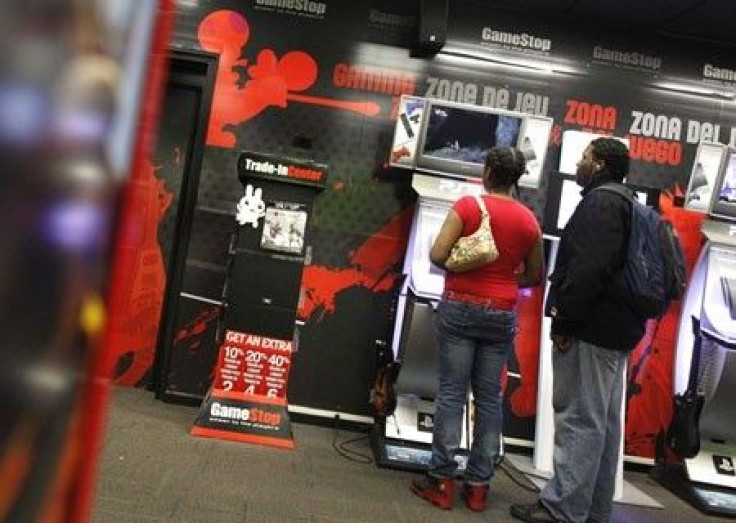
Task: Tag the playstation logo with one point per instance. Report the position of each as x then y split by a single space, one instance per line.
425 422
724 465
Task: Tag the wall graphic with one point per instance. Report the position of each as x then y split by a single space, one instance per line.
272 81
133 343
326 86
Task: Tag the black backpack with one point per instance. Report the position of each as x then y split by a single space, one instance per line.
654 271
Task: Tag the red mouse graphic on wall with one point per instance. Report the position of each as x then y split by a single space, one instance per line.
273 81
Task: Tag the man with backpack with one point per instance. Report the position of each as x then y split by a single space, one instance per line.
593 331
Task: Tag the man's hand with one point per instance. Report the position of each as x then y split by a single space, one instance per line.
561 342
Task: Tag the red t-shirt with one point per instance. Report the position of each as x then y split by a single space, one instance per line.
515 230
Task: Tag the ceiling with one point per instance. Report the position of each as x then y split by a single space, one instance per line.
712 20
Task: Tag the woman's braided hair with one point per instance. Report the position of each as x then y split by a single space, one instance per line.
503 168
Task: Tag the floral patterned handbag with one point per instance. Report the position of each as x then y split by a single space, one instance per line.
475 250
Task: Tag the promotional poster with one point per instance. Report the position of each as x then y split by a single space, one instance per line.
247 401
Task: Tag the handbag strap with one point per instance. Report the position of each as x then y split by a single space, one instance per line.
482 205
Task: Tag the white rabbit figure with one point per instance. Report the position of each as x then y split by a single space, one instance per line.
251 207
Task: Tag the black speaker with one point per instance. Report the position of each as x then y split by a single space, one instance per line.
432 27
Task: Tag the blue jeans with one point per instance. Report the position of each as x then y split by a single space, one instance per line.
586 394
474 344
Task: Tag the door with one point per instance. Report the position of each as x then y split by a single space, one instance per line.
177 164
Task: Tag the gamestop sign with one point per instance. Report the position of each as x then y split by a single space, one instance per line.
524 42
238 414
247 401
307 8
225 416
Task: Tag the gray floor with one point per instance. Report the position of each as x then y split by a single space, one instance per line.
153 470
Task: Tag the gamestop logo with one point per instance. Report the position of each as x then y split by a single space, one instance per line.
306 8
711 72
217 410
627 59
397 21
520 41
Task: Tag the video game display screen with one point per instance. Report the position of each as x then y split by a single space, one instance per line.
458 134
457 138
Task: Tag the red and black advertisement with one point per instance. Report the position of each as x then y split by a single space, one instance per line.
247 401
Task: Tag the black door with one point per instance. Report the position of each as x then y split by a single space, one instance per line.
178 161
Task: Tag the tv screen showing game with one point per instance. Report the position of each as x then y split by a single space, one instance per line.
456 137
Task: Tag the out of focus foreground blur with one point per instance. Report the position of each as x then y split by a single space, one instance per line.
73 78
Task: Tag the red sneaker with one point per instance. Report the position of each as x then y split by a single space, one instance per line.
475 496
439 491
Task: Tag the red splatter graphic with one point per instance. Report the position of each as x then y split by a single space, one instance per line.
273 81
142 275
523 400
197 327
370 266
400 153
651 365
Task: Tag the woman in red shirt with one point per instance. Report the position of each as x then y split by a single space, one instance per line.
475 324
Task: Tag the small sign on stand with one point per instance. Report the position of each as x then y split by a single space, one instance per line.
247 400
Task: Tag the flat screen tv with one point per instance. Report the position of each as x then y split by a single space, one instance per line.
723 203
456 137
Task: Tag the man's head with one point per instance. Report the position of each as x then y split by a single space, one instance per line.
504 166
604 156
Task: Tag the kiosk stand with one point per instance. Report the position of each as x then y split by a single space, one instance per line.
447 142
270 249
706 346
248 397
403 439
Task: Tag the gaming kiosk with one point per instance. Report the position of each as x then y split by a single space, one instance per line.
445 144
270 247
247 400
706 341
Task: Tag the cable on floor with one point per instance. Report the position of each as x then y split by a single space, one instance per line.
348 453
513 473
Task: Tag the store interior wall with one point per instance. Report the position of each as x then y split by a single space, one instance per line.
322 81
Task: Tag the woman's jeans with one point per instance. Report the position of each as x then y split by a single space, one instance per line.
474 344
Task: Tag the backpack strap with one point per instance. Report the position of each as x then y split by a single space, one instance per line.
619 189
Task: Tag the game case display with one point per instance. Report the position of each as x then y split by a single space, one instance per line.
284 227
